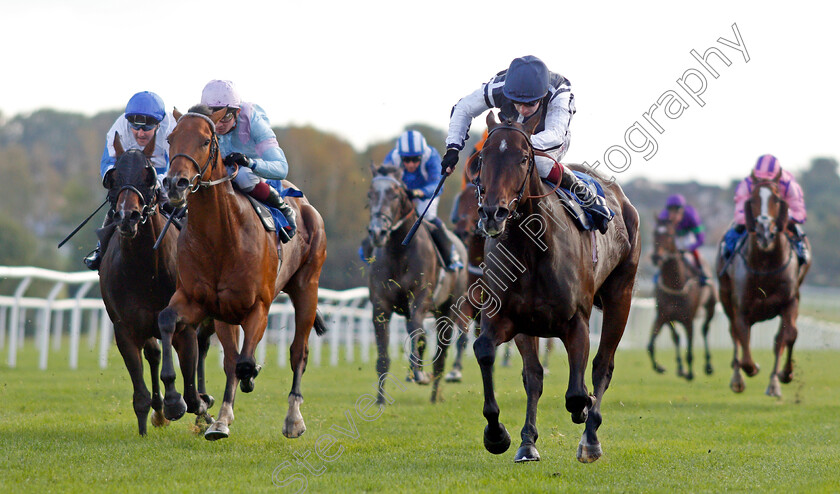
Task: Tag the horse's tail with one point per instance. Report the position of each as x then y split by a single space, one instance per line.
320 326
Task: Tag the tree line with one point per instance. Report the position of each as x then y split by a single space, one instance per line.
49 164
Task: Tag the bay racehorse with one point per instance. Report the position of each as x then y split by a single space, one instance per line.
409 280
137 282
760 282
229 269
543 281
679 295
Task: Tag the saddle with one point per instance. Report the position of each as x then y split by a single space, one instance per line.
572 203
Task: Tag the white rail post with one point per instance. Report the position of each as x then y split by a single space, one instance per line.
105 327
363 330
76 324
13 323
58 326
347 324
93 323
44 333
282 339
2 327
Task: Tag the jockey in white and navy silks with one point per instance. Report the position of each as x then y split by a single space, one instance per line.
247 140
768 168
148 117
528 90
145 119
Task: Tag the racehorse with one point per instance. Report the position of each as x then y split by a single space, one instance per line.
137 281
679 295
409 280
544 280
761 281
229 269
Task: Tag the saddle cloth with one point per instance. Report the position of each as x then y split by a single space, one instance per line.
272 217
573 205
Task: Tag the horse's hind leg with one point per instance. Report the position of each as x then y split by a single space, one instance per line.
381 326
205 331
688 324
784 340
254 327
130 352
707 322
651 348
578 401
532 379
675 337
151 350
455 375
229 338
187 347
445 333
305 301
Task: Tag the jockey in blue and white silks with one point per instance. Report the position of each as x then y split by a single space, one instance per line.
246 140
145 119
526 90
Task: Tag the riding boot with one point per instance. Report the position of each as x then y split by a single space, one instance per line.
274 200
730 240
797 237
366 251
94 258
702 276
592 202
451 259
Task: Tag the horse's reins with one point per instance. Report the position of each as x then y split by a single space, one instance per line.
393 226
148 209
196 183
532 153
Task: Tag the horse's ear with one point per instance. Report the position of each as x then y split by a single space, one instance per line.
176 114
216 116
531 124
149 150
782 216
749 219
491 121
473 166
118 148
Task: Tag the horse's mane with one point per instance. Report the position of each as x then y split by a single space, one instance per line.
202 109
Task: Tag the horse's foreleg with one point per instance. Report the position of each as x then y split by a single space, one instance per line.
785 338
675 337
151 350
417 338
141 399
578 401
736 384
455 374
305 302
496 437
229 338
786 375
253 326
532 379
445 333
651 348
688 324
381 326
174 405
707 322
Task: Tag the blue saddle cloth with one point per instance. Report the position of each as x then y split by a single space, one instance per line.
731 239
566 196
276 215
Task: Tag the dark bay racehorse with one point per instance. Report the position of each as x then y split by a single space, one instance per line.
761 282
409 280
679 295
544 280
137 282
229 269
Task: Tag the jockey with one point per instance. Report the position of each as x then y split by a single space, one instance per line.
528 90
767 168
421 174
689 230
247 141
145 118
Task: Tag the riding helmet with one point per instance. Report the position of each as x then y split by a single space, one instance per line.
411 143
146 103
767 167
220 93
526 80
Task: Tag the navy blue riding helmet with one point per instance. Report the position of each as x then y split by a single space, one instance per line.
526 80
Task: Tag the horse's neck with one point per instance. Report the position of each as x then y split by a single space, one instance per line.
673 272
212 214
140 248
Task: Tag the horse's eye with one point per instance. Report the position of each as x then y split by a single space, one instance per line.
207 142
168 141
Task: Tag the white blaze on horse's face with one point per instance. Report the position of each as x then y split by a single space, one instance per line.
765 194
503 146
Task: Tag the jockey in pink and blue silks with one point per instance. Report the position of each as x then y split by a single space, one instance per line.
246 140
767 168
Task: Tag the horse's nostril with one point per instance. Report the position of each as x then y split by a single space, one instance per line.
135 216
482 213
166 182
501 214
183 183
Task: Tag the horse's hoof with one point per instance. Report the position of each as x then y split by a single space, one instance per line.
175 409
526 452
659 369
158 420
454 376
587 453
499 444
751 371
294 430
217 430
786 377
737 385
709 369
422 378
774 388
208 400
247 385
579 407
689 376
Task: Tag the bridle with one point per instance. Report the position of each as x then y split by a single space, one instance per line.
148 207
196 183
393 226
532 153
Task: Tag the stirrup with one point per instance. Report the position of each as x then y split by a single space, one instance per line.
93 260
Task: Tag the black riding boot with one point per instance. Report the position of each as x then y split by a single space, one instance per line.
797 237
94 259
451 259
592 202
274 200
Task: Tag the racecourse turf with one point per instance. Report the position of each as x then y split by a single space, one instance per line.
75 431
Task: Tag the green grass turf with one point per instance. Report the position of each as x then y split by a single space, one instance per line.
75 431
